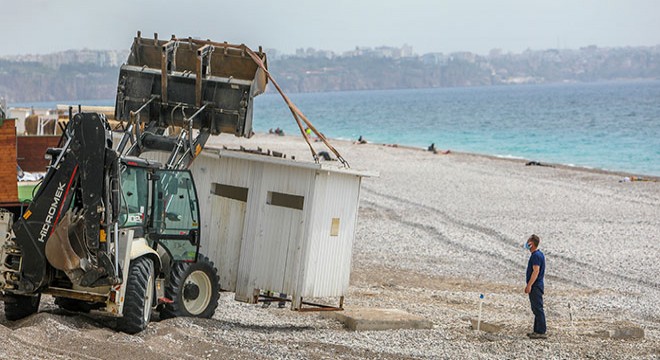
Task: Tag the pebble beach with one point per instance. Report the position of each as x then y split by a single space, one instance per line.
435 231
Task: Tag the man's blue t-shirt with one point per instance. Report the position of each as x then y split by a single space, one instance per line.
537 258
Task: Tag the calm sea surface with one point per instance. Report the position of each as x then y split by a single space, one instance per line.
613 126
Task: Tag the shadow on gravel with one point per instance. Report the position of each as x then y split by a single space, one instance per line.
62 318
213 324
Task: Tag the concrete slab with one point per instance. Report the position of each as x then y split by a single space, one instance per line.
485 326
630 332
620 333
360 319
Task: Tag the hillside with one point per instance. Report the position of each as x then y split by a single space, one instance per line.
89 74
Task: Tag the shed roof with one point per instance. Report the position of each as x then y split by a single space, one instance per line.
321 166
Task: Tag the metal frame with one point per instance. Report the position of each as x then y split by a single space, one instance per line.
312 306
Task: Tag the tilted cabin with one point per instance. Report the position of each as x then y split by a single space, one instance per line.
274 224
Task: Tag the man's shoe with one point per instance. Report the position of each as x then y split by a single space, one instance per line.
537 336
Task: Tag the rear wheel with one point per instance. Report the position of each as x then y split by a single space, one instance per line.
193 288
19 306
139 296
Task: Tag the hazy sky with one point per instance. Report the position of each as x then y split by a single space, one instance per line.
43 26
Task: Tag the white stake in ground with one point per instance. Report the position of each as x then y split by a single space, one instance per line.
570 316
481 303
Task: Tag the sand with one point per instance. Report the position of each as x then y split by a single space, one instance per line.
435 231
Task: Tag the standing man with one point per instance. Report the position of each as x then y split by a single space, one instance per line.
535 273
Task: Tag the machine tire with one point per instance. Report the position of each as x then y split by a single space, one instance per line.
21 306
139 296
194 289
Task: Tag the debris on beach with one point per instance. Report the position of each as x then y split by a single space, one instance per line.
636 178
536 163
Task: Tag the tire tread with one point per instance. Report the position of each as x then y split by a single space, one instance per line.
136 291
21 307
174 291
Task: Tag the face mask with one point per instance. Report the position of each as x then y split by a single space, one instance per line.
527 246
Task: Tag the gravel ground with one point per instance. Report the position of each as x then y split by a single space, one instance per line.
435 232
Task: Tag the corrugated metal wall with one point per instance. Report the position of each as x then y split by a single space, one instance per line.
327 266
223 218
270 252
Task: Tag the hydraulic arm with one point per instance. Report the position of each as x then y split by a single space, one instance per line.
65 223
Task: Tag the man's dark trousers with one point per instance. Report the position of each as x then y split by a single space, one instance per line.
536 300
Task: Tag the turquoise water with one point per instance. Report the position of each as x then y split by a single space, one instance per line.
612 126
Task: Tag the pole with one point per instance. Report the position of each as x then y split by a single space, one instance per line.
570 316
481 303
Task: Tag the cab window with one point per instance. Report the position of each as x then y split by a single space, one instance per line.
134 196
176 211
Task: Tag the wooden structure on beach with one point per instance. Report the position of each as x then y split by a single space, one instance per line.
8 187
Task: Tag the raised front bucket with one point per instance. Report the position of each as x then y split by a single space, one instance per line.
171 80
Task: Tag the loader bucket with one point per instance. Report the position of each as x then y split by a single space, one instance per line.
171 81
64 247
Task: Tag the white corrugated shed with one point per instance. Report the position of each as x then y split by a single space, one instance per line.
277 225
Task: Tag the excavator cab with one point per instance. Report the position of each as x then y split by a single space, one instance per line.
161 205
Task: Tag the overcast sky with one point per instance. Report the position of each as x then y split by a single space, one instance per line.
44 26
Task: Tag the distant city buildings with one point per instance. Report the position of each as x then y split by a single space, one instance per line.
388 52
101 58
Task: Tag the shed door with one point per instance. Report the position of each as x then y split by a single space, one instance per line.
228 204
278 245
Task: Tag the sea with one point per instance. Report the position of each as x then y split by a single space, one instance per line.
608 125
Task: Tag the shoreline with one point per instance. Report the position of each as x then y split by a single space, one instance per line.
567 167
592 170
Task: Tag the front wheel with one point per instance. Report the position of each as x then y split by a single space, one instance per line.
19 306
139 296
193 288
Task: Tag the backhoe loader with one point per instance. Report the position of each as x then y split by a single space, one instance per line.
111 231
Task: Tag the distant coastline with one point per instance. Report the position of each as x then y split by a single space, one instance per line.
92 74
